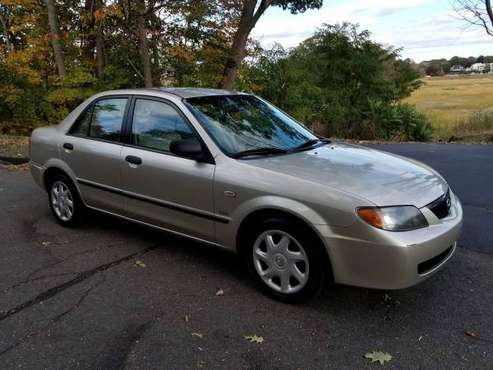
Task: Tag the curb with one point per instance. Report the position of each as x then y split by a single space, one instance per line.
14 160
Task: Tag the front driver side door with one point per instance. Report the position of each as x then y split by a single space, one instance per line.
164 189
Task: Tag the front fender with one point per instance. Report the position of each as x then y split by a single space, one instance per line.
226 234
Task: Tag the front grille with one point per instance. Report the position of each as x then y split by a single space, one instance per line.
441 206
430 264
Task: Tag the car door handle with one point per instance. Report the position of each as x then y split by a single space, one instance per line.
68 146
133 159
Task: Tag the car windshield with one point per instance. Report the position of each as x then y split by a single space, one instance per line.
241 123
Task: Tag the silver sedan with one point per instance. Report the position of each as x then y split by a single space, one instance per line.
233 171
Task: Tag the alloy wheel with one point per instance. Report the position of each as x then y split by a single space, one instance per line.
280 261
62 201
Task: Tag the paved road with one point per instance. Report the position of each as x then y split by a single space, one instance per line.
76 299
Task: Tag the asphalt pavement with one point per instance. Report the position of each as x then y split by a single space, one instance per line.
113 295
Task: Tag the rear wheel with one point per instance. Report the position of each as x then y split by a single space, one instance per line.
286 259
64 200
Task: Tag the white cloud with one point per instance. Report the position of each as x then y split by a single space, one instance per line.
409 24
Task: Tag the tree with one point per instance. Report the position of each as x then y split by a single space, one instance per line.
476 12
92 35
339 82
6 32
55 37
434 69
251 11
143 44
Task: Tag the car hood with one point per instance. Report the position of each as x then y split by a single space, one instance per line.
382 178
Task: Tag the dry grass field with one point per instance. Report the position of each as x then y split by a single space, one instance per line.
459 107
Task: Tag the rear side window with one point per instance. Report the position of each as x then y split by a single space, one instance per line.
107 119
156 125
102 120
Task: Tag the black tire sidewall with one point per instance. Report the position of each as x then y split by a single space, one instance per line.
319 268
78 206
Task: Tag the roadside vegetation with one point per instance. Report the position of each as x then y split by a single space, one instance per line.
53 55
340 82
460 108
14 146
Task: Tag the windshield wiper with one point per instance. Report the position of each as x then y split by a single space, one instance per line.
310 144
260 151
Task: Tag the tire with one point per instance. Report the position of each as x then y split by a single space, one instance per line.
67 207
286 259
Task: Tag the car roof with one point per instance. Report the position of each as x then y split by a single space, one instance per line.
194 92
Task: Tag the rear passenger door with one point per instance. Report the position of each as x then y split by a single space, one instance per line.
92 149
164 189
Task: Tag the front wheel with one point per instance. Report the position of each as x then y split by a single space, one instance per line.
286 260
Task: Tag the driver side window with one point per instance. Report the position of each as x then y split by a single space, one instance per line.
156 124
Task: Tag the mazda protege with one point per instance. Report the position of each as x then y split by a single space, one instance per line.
231 170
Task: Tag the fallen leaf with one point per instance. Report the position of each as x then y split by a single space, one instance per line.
381 357
254 338
200 335
219 292
470 334
139 263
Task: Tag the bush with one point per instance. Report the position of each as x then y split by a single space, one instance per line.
401 122
342 83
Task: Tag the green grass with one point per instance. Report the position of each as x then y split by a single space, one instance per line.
457 106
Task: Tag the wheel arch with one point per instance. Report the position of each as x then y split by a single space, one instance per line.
49 174
257 215
59 168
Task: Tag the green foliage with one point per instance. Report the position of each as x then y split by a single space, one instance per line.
401 122
298 6
341 80
338 80
19 102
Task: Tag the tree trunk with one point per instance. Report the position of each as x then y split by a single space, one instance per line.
55 37
249 18
88 40
143 44
10 46
99 44
156 64
99 52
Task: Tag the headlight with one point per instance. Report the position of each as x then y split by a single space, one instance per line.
400 218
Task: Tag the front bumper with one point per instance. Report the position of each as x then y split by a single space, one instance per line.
362 255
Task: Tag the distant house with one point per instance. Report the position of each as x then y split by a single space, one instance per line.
457 69
478 67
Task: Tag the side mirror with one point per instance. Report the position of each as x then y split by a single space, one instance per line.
188 148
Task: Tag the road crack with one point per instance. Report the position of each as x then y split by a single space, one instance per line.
30 277
56 318
50 293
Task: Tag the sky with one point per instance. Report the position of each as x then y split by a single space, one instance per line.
425 29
